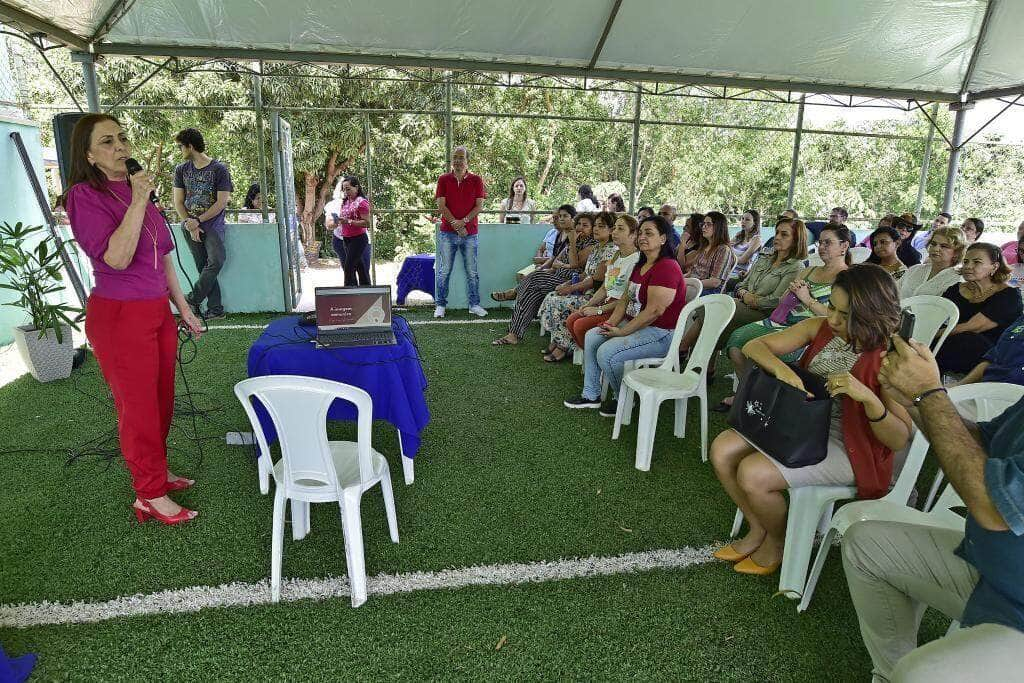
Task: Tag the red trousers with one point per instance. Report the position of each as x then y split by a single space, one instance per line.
578 325
136 344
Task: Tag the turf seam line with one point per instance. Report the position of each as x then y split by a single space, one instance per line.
482 321
240 594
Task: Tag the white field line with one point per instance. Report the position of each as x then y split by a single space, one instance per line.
240 594
482 321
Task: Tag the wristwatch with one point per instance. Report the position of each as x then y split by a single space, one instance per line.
600 310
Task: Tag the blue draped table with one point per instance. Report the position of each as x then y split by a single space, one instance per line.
391 375
417 272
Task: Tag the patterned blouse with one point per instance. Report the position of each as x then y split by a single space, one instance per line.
837 356
599 254
715 264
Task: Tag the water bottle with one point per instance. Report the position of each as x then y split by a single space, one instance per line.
575 277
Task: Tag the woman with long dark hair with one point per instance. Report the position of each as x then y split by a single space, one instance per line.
587 201
867 425
643 321
354 219
714 260
747 242
517 205
884 243
128 318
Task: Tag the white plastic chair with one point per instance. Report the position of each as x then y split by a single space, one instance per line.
667 382
992 399
859 254
694 289
932 312
315 470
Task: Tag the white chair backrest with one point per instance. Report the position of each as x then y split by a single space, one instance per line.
298 408
932 312
694 287
860 254
813 259
718 311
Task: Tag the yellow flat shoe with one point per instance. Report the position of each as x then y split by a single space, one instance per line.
729 554
749 566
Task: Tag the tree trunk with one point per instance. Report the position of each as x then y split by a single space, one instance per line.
551 147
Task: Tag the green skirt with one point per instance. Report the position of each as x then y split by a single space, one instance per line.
754 330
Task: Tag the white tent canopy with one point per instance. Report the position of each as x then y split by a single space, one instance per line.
943 50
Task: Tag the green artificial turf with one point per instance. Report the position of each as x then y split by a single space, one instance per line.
505 474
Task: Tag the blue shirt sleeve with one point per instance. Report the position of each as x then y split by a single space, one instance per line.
179 180
1004 469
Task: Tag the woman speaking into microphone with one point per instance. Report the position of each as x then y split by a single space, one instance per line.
128 319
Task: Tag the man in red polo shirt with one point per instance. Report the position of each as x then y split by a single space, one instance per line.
460 197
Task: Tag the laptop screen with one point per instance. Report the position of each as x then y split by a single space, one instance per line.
338 307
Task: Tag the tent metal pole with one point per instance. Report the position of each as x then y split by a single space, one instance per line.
257 101
92 90
369 193
961 109
634 151
448 133
926 162
796 152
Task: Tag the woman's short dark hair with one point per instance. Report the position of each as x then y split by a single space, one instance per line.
615 203
874 305
354 182
250 196
979 225
81 170
842 234
584 216
664 228
648 209
568 208
607 216
891 232
995 255
192 138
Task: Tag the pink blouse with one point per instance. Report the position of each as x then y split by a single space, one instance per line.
352 209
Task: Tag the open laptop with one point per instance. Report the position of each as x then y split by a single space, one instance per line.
353 316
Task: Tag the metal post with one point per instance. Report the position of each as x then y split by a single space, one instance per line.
257 101
926 162
92 90
448 134
369 193
634 154
796 152
961 109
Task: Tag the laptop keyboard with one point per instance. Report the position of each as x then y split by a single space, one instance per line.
366 339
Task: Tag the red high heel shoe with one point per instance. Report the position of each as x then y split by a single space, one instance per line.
143 511
180 484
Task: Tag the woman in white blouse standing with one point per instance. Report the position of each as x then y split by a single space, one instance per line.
941 271
517 205
588 202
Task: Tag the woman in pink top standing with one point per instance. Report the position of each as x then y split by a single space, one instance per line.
128 320
355 218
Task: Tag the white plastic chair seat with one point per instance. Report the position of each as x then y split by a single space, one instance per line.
346 464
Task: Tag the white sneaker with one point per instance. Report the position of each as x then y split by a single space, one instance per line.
478 310
438 311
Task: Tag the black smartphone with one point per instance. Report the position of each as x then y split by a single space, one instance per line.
907 320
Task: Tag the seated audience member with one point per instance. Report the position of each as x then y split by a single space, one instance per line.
972 229
883 251
570 257
942 269
689 241
254 202
564 221
714 258
987 306
600 306
940 221
972 573
643 213
806 298
668 212
547 246
1004 362
567 297
867 425
838 215
907 226
615 203
1013 251
517 206
643 322
883 222
747 243
770 244
769 279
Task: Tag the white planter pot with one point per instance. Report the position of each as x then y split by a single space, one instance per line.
46 359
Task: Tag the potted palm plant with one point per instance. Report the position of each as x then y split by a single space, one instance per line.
32 270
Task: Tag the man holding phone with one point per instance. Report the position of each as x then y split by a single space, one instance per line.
973 575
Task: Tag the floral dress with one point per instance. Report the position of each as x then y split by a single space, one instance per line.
557 308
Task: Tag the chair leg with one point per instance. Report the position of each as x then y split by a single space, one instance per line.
933 492
819 563
737 523
604 387
646 425
408 468
703 425
620 410
300 519
627 415
805 511
263 469
389 504
277 545
679 428
352 526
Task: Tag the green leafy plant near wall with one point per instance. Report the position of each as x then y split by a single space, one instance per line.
34 273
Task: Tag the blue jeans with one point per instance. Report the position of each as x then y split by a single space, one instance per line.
609 355
448 244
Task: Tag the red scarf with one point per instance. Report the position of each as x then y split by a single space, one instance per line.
871 460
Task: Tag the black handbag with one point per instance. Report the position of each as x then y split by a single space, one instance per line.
780 420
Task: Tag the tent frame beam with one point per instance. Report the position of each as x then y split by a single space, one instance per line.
29 21
978 45
604 34
115 14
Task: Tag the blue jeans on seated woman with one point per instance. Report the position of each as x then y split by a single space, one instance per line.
608 355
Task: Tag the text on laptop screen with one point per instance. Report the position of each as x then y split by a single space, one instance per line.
339 308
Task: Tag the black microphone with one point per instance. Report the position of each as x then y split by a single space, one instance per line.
133 167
